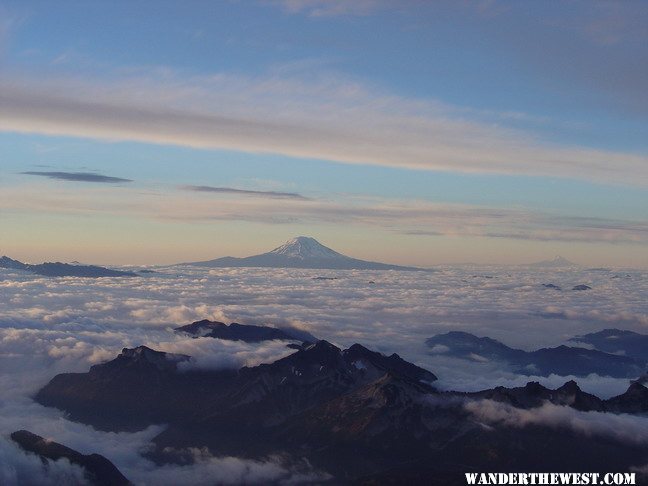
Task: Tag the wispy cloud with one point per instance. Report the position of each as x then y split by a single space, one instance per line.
245 192
79 177
330 8
414 217
9 20
328 118
623 427
591 46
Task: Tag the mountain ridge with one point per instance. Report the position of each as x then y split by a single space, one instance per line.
350 413
561 360
242 332
58 269
99 471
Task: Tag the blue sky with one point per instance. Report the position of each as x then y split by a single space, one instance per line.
416 132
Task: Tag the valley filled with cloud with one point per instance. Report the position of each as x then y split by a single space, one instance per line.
56 325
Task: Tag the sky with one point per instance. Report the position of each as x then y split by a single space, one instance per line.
411 132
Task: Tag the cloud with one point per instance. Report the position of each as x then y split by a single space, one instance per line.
9 21
30 357
79 177
329 118
16 467
620 427
330 8
207 470
619 317
590 49
73 320
50 326
244 192
399 216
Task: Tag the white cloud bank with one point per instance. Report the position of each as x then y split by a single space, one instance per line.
622 427
29 358
55 325
75 319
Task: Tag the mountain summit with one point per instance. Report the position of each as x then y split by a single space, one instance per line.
304 247
301 252
556 262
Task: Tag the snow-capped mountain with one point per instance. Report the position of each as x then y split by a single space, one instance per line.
301 252
304 247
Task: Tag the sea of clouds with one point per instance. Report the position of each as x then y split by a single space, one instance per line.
55 325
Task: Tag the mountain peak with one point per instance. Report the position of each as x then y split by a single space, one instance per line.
305 247
159 359
559 259
6 262
556 262
301 252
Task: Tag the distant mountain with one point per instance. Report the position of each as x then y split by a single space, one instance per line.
242 332
561 360
581 287
58 269
633 401
359 415
99 471
551 286
533 394
10 263
617 341
557 262
301 252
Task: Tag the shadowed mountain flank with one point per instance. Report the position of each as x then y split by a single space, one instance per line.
99 471
242 332
356 414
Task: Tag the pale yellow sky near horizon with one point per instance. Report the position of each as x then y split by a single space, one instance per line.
129 241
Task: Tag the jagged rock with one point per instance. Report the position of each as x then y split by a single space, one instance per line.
238 332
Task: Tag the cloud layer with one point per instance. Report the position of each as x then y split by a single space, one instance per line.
412 217
395 313
329 118
622 427
49 326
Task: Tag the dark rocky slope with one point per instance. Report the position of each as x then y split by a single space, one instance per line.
357 414
561 360
99 471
